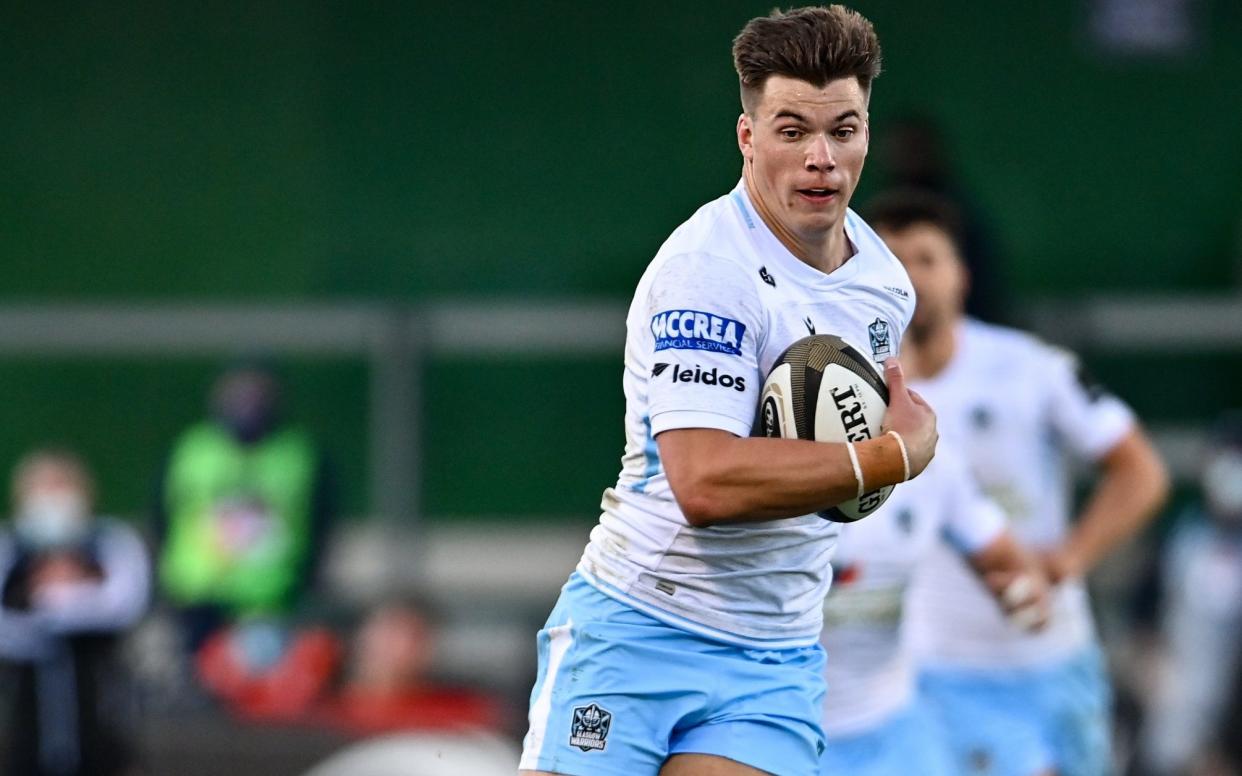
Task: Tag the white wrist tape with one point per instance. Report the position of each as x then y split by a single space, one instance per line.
858 475
1017 591
1028 618
905 456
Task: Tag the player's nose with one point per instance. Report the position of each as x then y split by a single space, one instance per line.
819 155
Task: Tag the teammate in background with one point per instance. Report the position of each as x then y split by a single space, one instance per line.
873 725
1022 411
686 642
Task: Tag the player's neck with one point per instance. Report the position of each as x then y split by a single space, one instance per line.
824 251
931 350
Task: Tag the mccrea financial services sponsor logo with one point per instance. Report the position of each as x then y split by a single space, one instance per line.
696 330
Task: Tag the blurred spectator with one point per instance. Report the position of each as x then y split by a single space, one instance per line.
264 670
915 156
1201 608
389 685
70 585
243 504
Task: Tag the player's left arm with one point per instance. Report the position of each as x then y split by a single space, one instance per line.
1133 484
1132 481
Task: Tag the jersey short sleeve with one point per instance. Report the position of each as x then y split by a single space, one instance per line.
704 327
1087 417
973 521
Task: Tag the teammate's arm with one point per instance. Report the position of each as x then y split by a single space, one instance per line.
718 477
1132 486
1015 578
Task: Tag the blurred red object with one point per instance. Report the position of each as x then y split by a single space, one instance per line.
364 713
269 675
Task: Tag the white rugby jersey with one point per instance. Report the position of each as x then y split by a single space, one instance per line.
869 673
720 302
1022 413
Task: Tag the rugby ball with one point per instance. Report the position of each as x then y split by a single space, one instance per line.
823 389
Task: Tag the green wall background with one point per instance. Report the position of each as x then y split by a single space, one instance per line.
400 152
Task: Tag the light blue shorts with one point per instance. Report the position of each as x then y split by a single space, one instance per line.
909 742
618 692
1019 722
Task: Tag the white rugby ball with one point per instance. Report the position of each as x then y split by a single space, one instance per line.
823 389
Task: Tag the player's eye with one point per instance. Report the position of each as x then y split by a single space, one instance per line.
844 133
791 133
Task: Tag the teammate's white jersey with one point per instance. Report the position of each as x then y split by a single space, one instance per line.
715 309
1022 413
869 673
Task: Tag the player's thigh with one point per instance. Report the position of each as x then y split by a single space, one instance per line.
1078 709
991 725
612 685
707 765
690 765
892 748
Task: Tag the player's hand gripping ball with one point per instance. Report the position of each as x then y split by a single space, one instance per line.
823 389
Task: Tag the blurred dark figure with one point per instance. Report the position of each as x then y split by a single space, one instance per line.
71 585
1201 618
243 504
389 684
1229 732
915 156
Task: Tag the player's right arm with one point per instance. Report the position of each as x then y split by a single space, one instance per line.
704 314
718 477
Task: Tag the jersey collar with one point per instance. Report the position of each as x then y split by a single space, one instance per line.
770 247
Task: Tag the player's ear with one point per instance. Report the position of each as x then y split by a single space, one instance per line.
745 136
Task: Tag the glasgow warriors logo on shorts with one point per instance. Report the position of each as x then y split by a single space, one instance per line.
590 728
881 347
697 330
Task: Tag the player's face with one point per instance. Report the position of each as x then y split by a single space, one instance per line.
935 269
805 146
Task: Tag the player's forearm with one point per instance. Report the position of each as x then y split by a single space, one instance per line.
1016 580
1132 488
1001 555
725 479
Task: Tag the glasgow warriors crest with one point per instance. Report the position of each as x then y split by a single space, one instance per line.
881 347
590 727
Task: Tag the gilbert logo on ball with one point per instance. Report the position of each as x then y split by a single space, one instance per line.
824 389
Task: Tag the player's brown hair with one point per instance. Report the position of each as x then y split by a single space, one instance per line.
814 44
899 209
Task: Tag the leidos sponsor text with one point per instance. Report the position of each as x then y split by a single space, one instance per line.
697 375
696 330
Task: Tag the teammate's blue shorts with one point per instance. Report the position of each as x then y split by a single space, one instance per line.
909 742
619 692
1018 722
